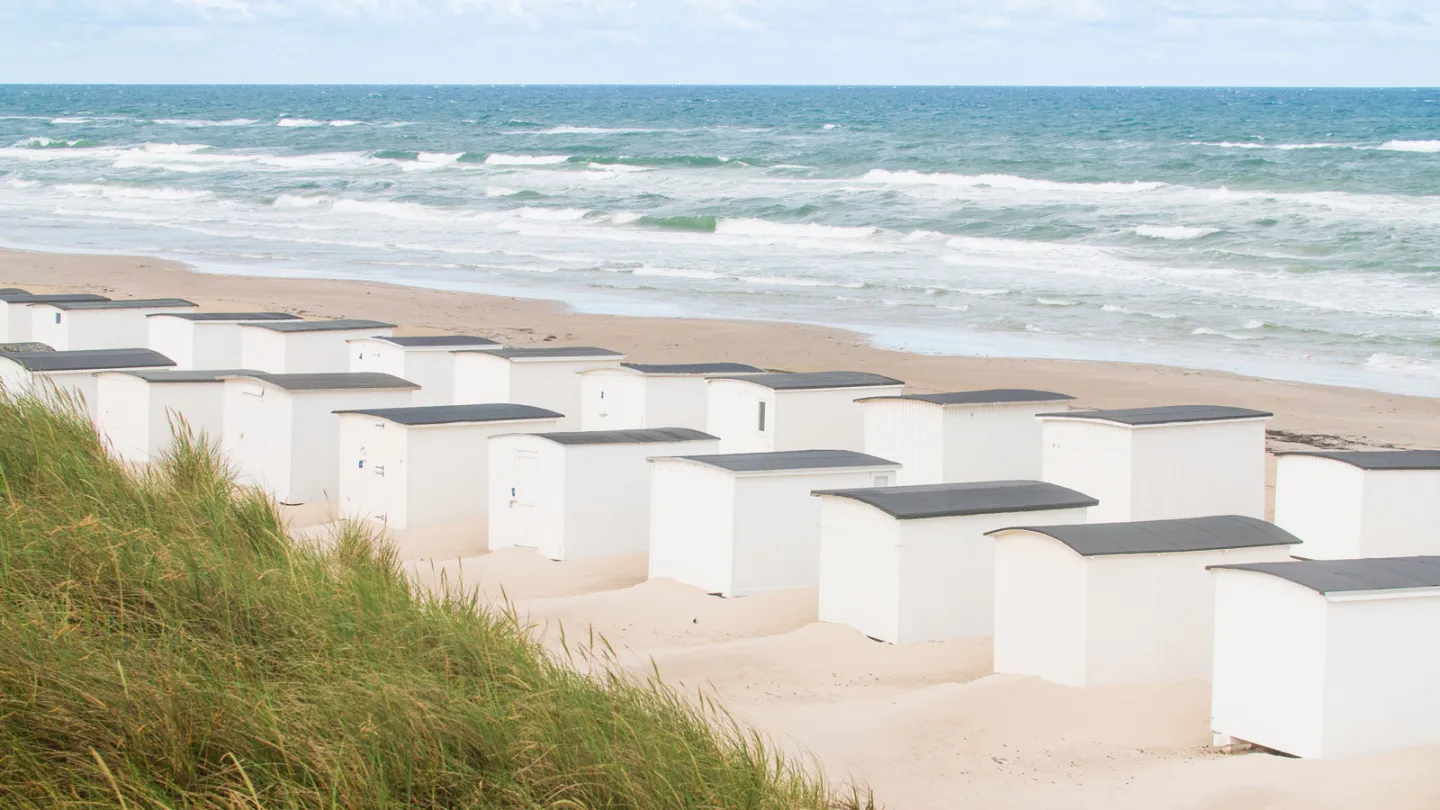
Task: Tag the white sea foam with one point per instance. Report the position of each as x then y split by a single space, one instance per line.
1205 330
501 191
828 126
392 210
174 148
299 122
43 143
198 123
1411 146
344 123
1255 324
626 217
1000 181
300 200
1164 316
676 272
569 130
1401 364
498 159
1056 302
71 120
763 228
133 192
552 214
1173 232
791 281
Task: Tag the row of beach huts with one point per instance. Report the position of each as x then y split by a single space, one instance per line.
1096 547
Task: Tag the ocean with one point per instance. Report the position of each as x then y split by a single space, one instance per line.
1284 233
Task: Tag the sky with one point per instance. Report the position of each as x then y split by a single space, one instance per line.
948 42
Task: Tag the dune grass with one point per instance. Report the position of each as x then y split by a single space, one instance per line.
164 645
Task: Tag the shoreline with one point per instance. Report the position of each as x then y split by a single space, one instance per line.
1304 412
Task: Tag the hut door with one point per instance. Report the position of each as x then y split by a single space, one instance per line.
523 511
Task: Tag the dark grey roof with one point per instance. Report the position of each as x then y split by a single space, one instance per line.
1162 536
323 326
790 460
645 436
1339 576
331 381
23 297
803 380
9 291
991 396
1378 459
554 351
173 375
974 498
88 359
1165 414
439 340
228 316
129 303
456 414
691 368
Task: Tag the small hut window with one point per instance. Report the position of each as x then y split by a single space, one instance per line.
760 420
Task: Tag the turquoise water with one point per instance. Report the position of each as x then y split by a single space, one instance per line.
1287 233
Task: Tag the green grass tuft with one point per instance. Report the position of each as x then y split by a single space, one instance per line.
163 644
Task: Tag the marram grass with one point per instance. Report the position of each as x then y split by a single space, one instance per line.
164 645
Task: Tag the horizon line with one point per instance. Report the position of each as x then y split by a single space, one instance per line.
876 85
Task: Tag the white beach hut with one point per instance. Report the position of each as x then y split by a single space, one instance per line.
425 465
912 564
77 325
1328 659
1159 463
138 410
1118 603
989 435
203 340
744 523
15 311
427 361
304 347
1368 503
282 433
638 395
762 413
543 376
71 373
581 494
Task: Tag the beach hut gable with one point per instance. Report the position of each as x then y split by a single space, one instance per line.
958 436
203 340
411 467
545 376
283 434
577 495
137 410
637 395
1159 463
427 360
741 524
104 324
910 564
1118 603
303 347
1319 658
1367 503
15 313
780 412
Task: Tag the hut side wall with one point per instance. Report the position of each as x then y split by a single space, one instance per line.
859 568
613 400
534 516
552 384
122 415
174 338
1381 667
1212 468
1401 512
1040 616
481 377
48 325
993 442
1321 502
1268 680
1094 458
1150 617
910 432
258 430
733 415
676 402
262 349
828 419
692 524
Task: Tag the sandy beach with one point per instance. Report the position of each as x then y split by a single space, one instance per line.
926 726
